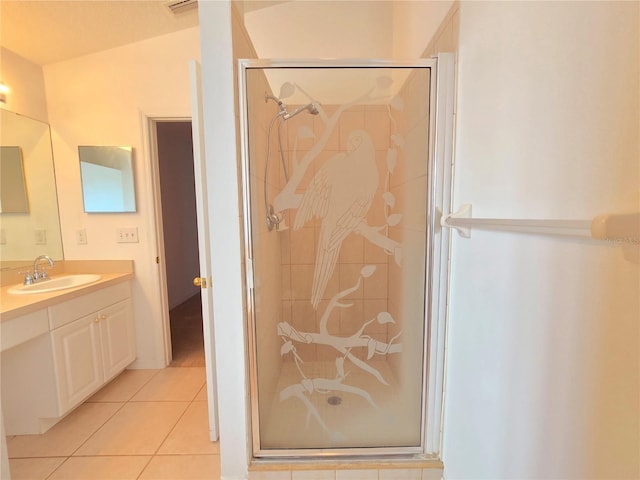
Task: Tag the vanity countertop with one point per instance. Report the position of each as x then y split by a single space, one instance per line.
12 306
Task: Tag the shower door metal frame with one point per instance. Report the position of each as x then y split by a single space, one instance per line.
439 159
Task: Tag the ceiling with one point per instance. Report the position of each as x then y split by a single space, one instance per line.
49 31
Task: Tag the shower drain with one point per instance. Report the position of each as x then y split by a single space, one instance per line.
334 400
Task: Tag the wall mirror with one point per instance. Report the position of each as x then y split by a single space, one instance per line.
32 228
13 190
107 179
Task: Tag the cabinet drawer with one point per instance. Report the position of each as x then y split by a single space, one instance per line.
70 310
21 329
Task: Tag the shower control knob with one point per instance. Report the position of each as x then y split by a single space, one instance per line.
200 282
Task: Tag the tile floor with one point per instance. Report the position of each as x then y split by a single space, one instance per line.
145 424
153 425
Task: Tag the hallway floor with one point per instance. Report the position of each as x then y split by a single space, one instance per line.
145 424
187 341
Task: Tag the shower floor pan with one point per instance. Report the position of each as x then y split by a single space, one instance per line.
350 421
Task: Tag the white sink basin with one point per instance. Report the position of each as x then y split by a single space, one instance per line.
56 283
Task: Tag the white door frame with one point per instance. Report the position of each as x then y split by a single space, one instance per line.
149 120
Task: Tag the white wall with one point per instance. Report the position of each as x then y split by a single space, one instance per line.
543 378
98 99
26 81
221 148
293 29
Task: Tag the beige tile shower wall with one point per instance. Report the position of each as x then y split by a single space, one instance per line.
266 244
407 285
299 246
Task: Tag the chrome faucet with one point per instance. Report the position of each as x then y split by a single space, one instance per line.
41 274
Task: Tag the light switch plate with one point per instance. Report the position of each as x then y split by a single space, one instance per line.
128 235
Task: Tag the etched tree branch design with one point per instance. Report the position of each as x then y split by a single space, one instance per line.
340 194
344 346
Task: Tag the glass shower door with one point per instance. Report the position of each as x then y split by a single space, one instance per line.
337 220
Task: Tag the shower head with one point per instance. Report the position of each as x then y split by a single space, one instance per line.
313 110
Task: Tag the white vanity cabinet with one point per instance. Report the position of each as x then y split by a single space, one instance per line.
89 340
77 361
117 338
93 340
91 350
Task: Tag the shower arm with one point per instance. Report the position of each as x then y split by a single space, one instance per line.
313 110
281 106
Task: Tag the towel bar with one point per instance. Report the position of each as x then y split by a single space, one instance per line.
611 227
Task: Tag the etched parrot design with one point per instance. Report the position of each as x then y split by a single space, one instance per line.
340 194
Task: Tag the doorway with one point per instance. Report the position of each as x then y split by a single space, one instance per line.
180 239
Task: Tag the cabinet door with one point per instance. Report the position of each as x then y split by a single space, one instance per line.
118 338
78 362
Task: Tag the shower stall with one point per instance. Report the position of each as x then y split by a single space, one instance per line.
339 205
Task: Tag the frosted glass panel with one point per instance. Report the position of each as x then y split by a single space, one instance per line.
337 204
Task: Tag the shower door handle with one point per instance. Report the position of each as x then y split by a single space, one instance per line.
200 282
